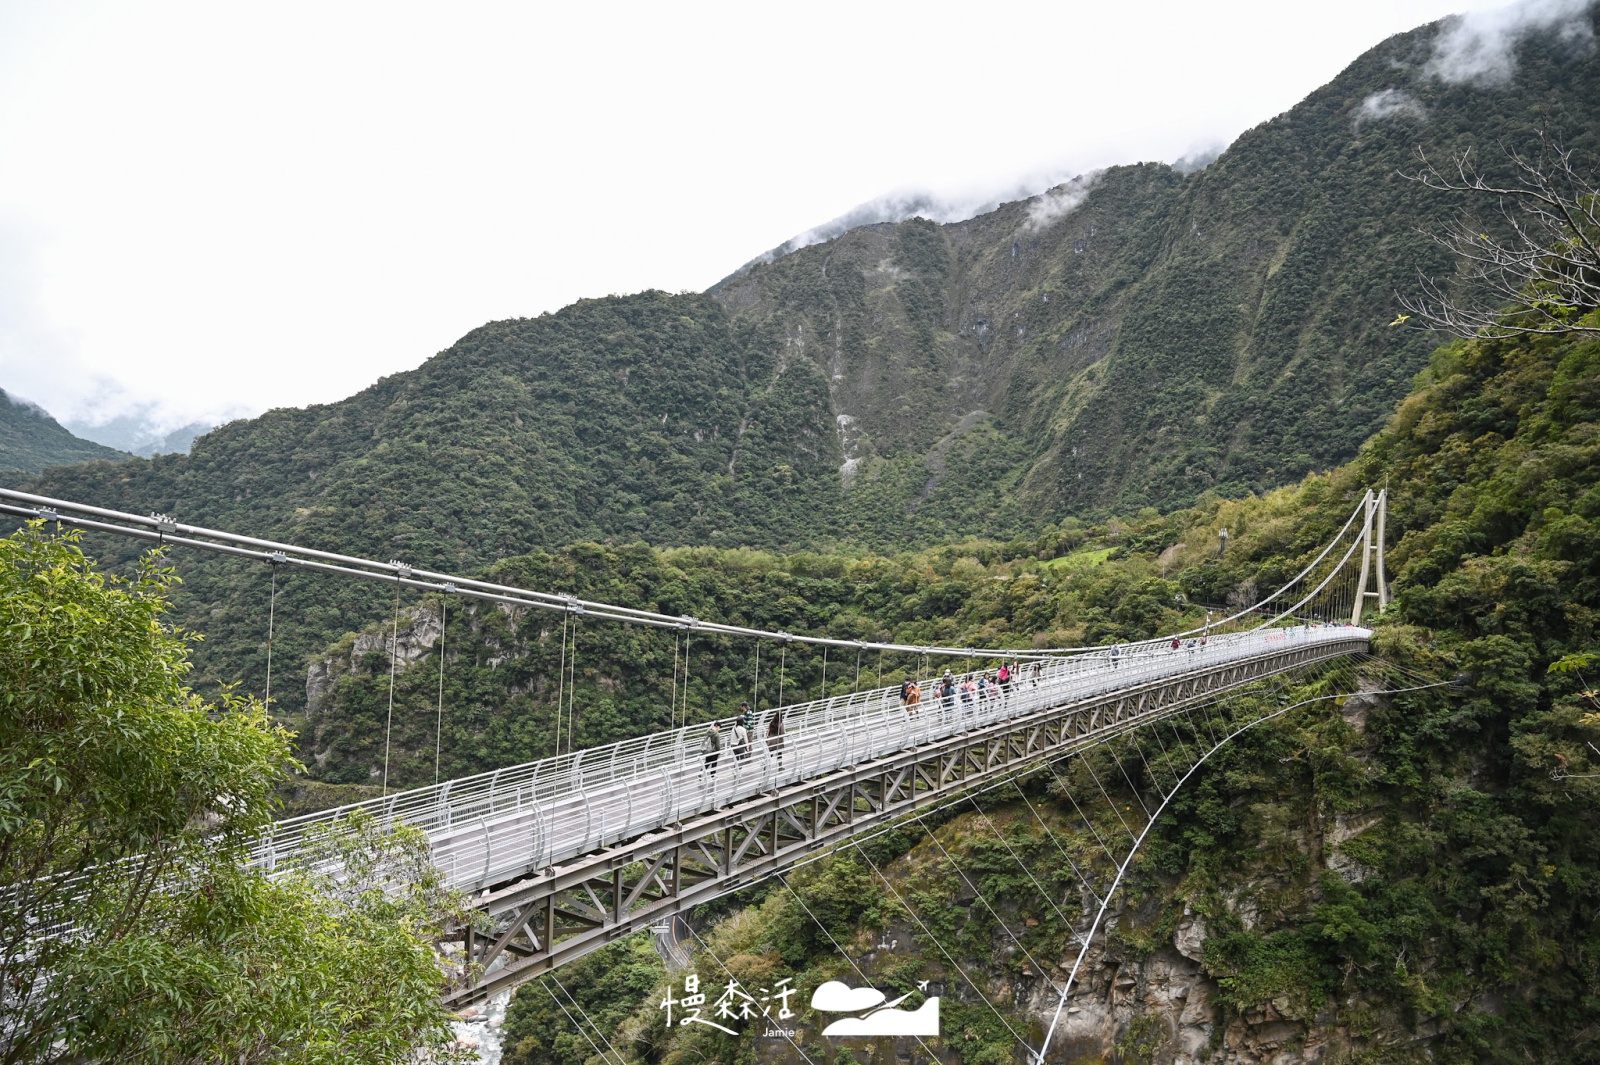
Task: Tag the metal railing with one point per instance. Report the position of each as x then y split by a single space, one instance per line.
494 826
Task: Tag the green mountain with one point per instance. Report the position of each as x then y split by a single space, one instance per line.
31 440
1139 337
1142 338
1404 877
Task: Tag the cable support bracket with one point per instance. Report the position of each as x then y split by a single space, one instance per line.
402 570
164 524
46 514
277 558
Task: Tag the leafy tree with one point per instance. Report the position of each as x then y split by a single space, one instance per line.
133 926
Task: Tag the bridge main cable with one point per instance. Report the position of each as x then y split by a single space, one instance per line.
161 529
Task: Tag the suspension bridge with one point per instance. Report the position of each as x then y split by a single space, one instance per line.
569 853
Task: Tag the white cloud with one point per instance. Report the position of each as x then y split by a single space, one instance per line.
239 206
1389 103
1048 209
1479 47
833 996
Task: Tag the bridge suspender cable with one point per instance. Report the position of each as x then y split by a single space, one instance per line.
272 609
561 682
688 638
438 728
572 689
677 638
394 659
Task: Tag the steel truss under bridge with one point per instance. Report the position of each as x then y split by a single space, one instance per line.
562 912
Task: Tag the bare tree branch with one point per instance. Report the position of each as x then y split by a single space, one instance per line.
1540 274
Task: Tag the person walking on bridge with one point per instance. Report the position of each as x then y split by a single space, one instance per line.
741 734
711 747
775 728
947 694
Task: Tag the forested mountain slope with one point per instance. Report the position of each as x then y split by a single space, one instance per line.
1138 339
31 440
648 416
1132 339
1400 878
1141 337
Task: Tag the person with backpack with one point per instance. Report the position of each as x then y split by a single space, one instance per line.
947 694
711 747
905 694
741 736
1004 680
913 698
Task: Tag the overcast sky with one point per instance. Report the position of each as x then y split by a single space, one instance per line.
208 209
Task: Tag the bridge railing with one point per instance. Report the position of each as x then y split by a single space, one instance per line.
495 824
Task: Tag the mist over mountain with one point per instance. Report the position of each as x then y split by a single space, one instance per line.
138 434
31 440
1135 337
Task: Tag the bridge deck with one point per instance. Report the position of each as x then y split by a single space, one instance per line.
495 827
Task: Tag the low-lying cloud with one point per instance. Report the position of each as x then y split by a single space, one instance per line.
1055 204
1388 104
1480 47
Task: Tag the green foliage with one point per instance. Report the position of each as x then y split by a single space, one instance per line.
1221 332
581 1012
31 440
503 674
127 810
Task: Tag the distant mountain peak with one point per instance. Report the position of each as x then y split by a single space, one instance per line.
31 440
